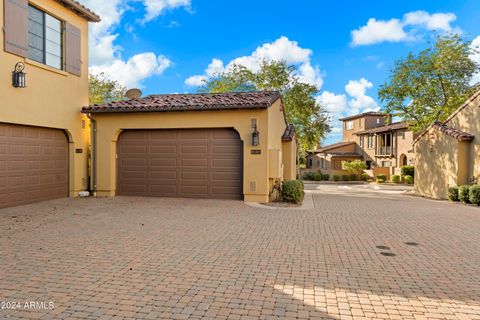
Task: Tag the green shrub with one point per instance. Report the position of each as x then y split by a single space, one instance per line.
364 177
345 177
382 177
453 194
354 167
379 180
292 191
326 177
463 192
408 171
396 178
408 179
317 176
336 177
308 176
474 194
354 177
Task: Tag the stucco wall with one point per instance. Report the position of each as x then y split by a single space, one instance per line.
436 158
52 98
442 161
468 120
256 167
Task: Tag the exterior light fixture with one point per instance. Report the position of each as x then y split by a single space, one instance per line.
255 137
18 76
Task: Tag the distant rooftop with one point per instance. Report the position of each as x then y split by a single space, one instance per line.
390 127
369 113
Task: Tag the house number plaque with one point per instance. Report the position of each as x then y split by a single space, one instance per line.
256 151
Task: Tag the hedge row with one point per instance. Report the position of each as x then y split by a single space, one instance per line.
465 194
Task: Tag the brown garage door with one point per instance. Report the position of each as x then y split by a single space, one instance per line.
33 164
196 163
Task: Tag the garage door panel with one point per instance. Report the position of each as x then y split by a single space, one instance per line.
183 163
34 162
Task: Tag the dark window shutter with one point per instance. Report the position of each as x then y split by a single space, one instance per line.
16 27
73 50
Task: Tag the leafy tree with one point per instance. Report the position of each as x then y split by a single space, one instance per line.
103 90
354 167
301 109
430 85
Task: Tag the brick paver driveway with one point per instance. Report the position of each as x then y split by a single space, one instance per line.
180 258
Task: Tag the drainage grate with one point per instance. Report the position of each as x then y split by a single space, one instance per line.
388 254
383 247
411 244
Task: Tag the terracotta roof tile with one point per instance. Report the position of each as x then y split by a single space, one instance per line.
369 113
457 134
390 127
289 133
80 9
189 102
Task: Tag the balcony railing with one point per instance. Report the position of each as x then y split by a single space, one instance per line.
384 151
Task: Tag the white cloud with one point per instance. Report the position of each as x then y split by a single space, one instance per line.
475 56
360 102
379 31
281 49
106 56
396 30
196 81
132 72
436 21
334 103
354 101
155 8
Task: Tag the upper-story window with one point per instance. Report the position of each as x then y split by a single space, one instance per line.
45 37
370 142
378 120
360 122
349 125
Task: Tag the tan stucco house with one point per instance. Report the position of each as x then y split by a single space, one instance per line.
224 145
448 153
44 137
234 145
385 147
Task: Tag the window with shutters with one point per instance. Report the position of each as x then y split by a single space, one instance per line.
45 38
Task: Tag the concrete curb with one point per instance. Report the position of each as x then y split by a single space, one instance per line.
306 205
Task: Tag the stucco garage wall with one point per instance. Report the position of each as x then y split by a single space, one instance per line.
468 120
436 160
255 171
52 98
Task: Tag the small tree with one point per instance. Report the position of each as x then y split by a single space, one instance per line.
103 90
354 167
430 85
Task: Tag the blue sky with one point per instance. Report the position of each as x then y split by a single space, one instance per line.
344 47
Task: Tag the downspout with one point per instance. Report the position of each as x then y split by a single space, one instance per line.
93 154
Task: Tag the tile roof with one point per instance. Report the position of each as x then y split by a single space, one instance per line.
345 154
443 127
189 102
390 127
333 146
457 134
289 133
80 9
369 113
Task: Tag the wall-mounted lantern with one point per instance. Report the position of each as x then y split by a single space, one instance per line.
255 137
18 76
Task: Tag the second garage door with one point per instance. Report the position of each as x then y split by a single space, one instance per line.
197 163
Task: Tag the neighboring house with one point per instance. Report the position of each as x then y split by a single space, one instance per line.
448 153
224 145
44 138
384 147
